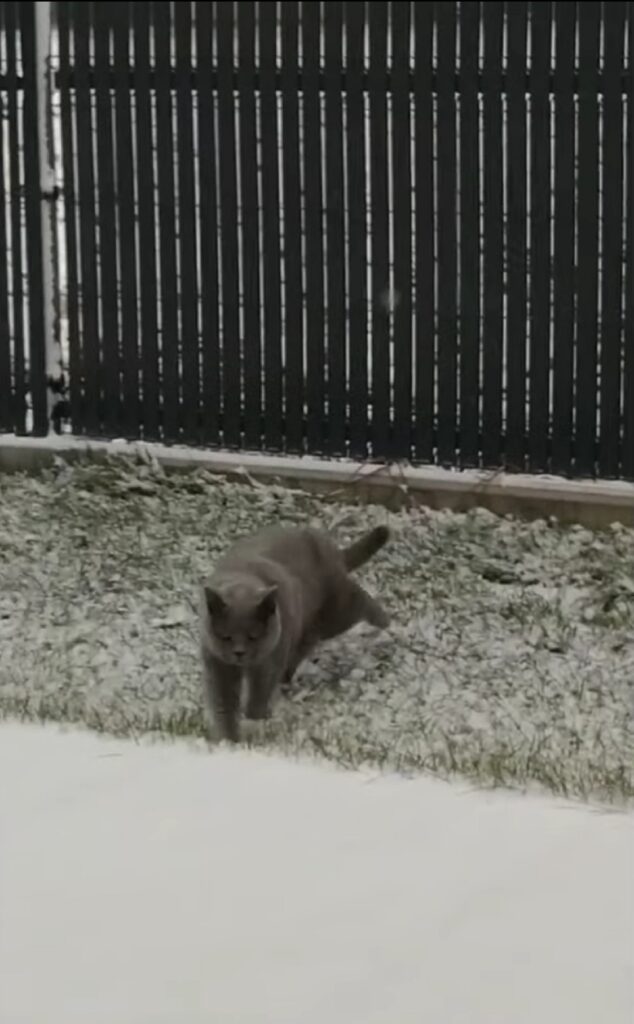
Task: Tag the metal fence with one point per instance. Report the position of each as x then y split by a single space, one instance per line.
386 230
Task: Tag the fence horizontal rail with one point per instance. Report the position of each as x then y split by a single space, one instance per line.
624 82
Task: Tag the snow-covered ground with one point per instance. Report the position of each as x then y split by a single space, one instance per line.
149 885
510 658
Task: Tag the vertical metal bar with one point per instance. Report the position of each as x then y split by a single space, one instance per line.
380 248
540 269
402 206
43 349
470 232
312 157
147 240
588 226
75 360
232 399
612 248
87 221
270 226
187 222
336 388
107 223
127 235
211 396
564 254
357 289
293 325
447 241
516 184
424 270
250 238
493 236
167 228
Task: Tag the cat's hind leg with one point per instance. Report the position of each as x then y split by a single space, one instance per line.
352 605
374 613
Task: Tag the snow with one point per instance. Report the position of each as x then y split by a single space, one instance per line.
149 884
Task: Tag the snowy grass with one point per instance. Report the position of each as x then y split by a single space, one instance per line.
510 660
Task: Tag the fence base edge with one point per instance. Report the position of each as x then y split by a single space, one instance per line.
592 503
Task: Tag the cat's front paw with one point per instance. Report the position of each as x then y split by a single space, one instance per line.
225 732
257 712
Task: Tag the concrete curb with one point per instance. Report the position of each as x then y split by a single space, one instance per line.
589 502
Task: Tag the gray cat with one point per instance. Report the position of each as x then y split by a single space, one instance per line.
271 598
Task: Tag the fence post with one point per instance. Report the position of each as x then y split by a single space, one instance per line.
56 384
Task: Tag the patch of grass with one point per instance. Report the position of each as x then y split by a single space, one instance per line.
510 661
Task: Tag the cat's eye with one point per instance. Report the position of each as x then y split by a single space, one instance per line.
225 639
254 636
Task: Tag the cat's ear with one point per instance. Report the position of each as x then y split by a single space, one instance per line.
266 606
215 603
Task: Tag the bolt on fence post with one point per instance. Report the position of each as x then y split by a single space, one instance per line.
48 199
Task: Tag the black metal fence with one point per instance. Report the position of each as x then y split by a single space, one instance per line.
385 230
23 397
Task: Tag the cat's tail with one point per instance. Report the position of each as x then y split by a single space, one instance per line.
365 547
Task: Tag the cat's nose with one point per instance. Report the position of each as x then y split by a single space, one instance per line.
239 653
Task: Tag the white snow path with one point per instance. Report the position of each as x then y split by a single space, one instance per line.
150 884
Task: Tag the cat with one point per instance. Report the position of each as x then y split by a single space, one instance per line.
272 597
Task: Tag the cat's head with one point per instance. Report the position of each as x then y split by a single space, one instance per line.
243 622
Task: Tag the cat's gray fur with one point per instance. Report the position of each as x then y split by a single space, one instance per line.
271 598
